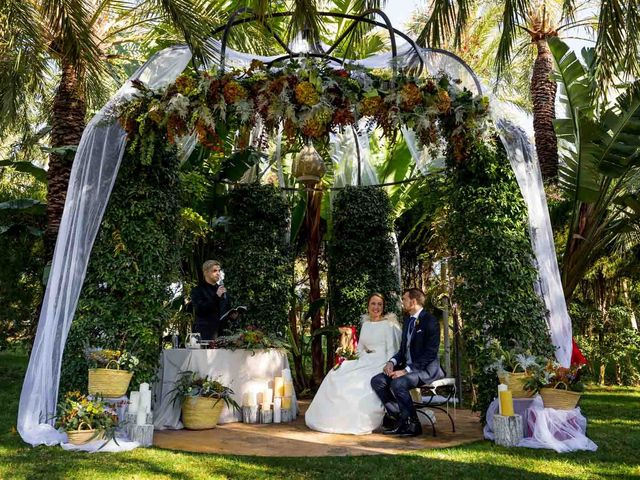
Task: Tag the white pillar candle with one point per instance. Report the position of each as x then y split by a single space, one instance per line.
267 395
277 403
288 389
286 403
134 401
278 387
252 398
141 414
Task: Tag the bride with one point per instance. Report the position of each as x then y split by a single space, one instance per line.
345 402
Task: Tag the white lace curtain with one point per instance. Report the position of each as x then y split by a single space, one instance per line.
94 172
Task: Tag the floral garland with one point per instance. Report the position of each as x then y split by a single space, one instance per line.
309 98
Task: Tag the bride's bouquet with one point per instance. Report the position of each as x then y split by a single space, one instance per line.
343 354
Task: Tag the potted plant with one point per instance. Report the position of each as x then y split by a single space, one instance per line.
85 418
202 400
559 387
514 368
110 371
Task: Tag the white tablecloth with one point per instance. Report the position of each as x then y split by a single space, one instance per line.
241 370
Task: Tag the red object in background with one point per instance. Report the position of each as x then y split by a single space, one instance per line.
577 358
354 344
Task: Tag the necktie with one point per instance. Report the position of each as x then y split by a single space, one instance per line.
412 326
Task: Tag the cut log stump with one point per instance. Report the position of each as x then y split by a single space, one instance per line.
508 431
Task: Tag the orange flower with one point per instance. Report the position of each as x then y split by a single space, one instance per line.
306 94
234 92
370 106
411 96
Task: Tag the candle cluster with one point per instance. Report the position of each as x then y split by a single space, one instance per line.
280 397
140 404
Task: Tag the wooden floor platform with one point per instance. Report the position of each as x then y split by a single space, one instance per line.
296 440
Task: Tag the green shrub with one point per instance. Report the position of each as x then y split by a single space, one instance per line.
258 261
361 253
134 261
493 258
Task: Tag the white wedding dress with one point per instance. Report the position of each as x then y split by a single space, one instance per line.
345 402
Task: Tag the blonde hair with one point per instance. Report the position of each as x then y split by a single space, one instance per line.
209 264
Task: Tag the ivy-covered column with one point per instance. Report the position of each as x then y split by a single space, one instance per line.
134 261
493 258
361 253
257 261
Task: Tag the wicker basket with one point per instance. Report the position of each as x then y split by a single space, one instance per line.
80 437
559 399
515 382
201 413
108 382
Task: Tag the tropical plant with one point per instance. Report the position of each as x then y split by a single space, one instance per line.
81 48
600 164
192 384
536 22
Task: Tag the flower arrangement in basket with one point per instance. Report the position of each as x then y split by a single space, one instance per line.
202 400
559 387
250 338
514 368
85 418
110 371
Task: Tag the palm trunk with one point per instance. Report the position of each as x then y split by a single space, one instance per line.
543 95
67 124
313 255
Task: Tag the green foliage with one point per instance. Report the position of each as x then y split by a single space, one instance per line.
21 228
361 253
493 259
133 262
257 261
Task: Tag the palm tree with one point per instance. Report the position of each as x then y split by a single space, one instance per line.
540 20
70 41
600 172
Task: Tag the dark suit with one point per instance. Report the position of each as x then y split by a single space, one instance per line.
424 366
208 307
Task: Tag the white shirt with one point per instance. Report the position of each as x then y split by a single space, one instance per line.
409 335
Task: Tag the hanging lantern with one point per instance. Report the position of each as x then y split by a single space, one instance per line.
308 167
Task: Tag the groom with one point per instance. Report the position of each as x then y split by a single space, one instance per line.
416 364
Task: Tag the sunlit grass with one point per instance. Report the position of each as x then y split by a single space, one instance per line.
614 424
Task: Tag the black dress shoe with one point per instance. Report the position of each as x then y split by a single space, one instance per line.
411 428
394 429
389 421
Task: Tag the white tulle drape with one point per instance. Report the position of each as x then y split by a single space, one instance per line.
92 178
524 161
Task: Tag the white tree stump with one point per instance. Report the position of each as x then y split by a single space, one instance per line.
143 434
508 431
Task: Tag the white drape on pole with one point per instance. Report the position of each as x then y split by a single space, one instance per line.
92 177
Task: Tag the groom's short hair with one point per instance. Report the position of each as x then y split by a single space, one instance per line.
415 294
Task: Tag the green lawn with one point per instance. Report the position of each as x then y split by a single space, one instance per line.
614 424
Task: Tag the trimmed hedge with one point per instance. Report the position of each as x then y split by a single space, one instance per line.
258 262
135 259
493 258
361 253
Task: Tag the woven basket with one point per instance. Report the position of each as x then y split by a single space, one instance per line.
559 399
80 437
515 382
201 413
108 382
